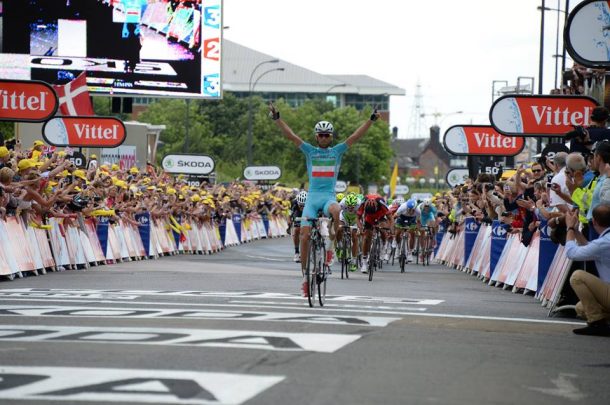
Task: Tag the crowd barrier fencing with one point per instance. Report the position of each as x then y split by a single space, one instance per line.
500 259
79 243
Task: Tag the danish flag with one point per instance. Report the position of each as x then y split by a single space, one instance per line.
74 97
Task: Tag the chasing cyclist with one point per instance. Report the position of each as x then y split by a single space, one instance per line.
323 162
426 217
373 211
296 211
349 217
406 222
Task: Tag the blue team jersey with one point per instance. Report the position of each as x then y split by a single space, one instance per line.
323 166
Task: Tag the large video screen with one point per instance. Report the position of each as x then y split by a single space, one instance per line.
150 48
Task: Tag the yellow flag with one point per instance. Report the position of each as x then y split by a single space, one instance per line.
394 179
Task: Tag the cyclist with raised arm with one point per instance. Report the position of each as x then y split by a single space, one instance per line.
323 162
373 211
296 211
349 217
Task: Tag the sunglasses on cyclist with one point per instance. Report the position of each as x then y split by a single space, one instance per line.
536 170
324 135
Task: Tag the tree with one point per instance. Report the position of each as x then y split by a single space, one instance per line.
219 129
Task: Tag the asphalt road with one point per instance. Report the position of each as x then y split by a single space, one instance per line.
231 328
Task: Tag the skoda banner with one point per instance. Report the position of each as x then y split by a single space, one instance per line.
188 164
471 231
547 252
499 235
483 140
540 115
340 186
586 33
89 132
262 173
27 101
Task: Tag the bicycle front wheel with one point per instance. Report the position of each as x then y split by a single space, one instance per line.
402 256
322 277
310 273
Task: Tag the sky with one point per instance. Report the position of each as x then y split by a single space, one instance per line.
455 50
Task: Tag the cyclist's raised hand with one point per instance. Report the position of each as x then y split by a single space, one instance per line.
375 115
273 112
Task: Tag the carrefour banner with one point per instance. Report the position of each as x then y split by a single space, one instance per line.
237 223
144 229
471 230
439 237
499 234
547 252
102 232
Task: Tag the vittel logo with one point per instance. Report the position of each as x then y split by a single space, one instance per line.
545 115
21 101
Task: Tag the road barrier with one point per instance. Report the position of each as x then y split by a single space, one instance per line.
78 243
500 259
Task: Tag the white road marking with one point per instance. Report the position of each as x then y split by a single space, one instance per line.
131 294
564 388
183 313
243 339
326 305
130 385
265 258
323 311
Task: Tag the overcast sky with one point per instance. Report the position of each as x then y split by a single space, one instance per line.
455 49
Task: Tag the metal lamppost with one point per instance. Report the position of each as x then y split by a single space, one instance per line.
557 55
250 106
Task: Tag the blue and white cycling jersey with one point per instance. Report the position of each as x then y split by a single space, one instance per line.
323 166
426 217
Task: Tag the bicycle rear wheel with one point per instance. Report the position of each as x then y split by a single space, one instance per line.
424 250
372 265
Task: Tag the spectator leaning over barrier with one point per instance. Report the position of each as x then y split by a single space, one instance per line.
578 180
559 193
593 292
601 157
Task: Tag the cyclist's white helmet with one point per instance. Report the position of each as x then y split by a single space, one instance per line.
302 197
324 127
427 203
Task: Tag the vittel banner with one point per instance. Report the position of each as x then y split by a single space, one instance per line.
188 164
540 115
93 132
586 33
472 140
27 101
262 173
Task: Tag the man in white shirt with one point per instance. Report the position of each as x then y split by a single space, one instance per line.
559 193
593 292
